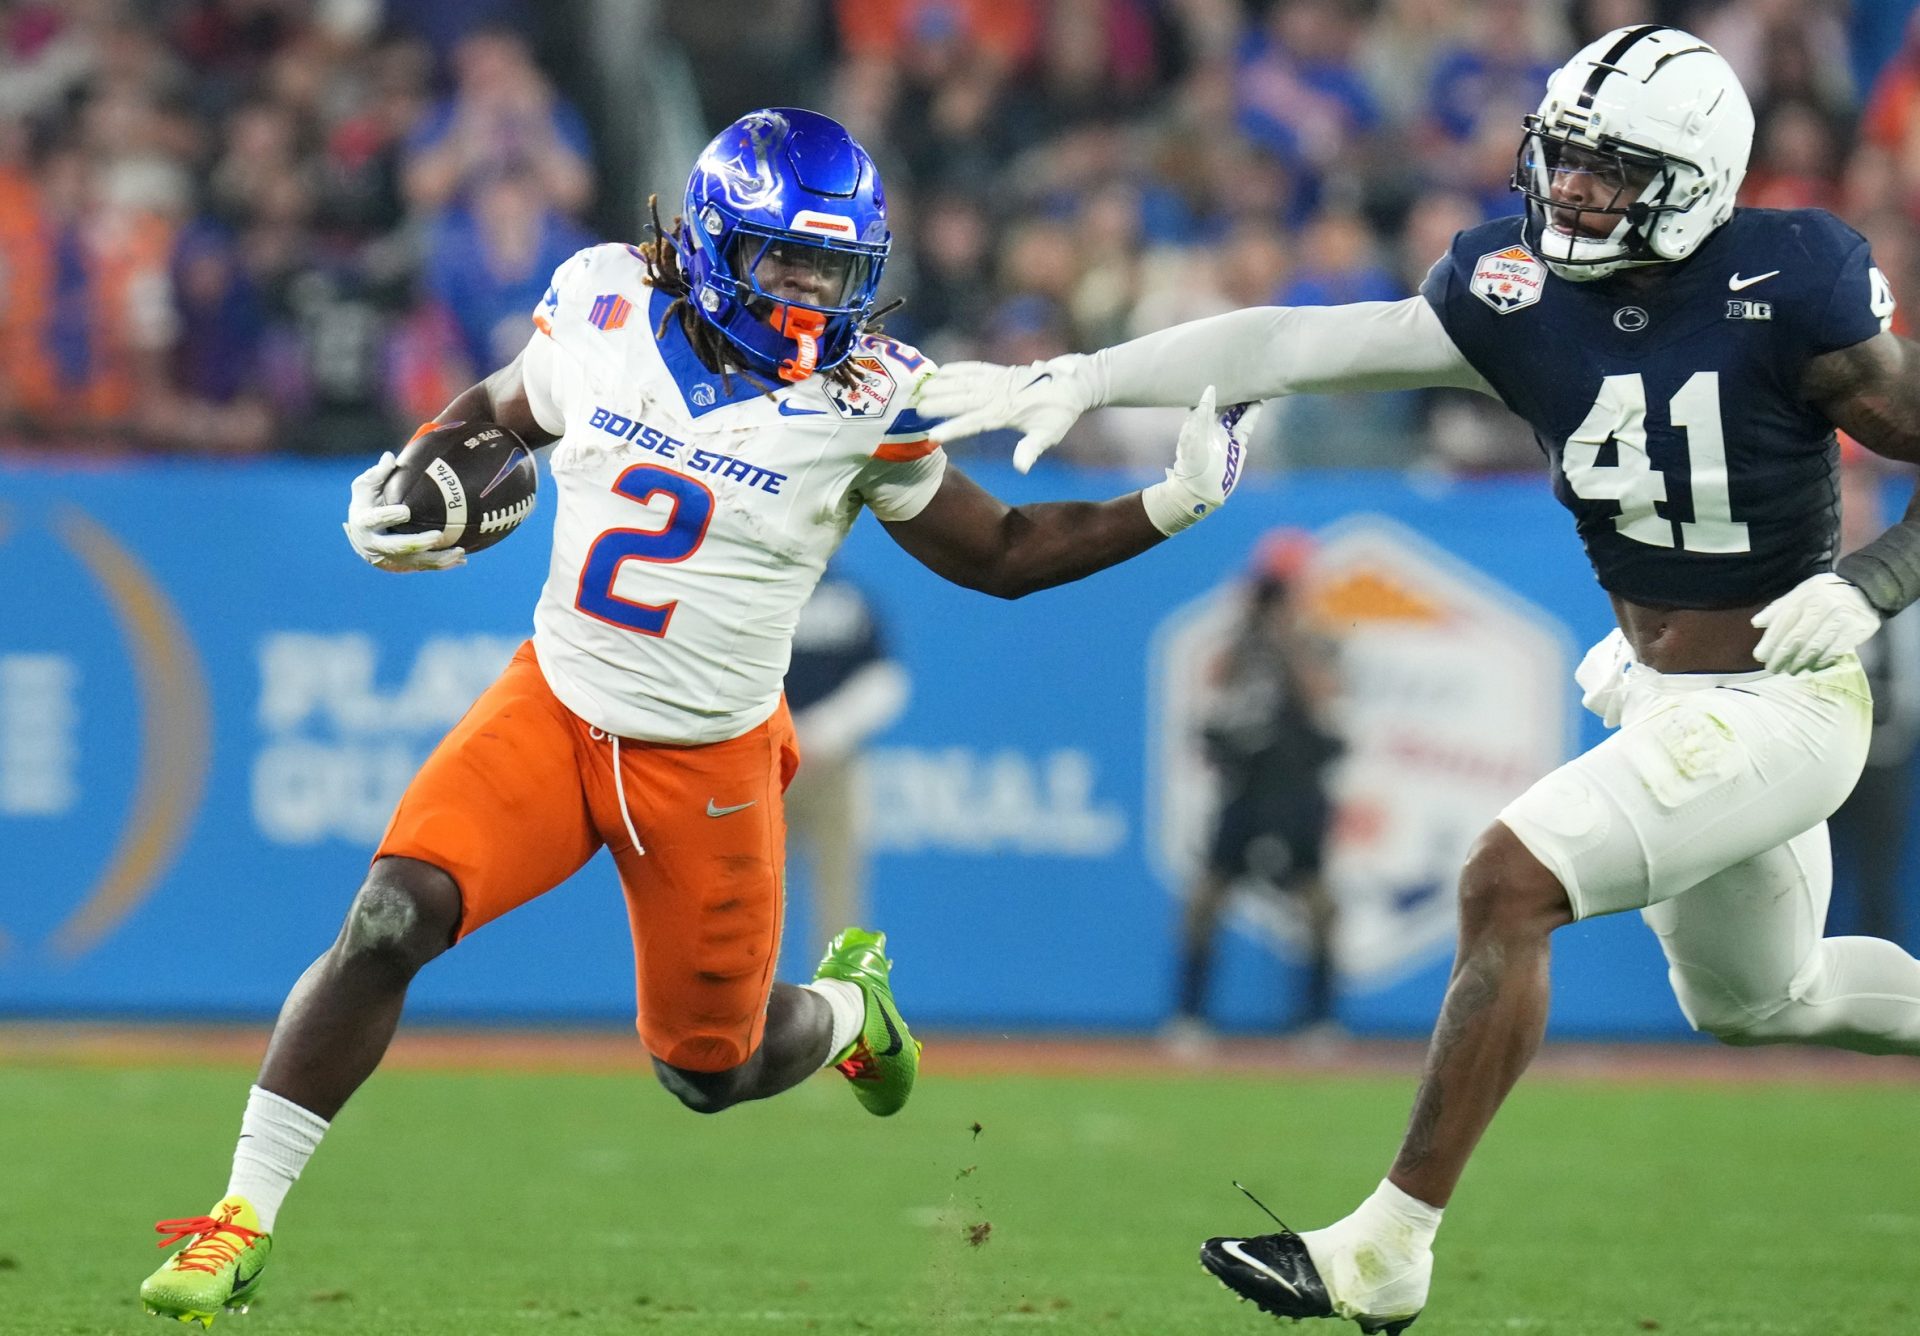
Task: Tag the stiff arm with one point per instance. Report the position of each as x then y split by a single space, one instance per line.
1259 353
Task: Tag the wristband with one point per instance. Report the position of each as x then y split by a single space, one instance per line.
1172 506
1887 570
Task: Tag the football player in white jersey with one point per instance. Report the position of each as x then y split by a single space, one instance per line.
1684 364
721 410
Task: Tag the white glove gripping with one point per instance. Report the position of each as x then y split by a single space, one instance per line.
1206 464
1041 399
1602 677
368 520
1813 624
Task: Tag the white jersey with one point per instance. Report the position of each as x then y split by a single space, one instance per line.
693 521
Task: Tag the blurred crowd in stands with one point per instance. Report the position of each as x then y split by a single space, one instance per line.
235 226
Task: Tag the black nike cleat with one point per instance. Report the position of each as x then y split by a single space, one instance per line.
1276 1273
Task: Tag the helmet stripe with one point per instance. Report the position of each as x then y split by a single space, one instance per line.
1607 64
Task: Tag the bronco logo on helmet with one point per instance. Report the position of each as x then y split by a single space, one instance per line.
788 240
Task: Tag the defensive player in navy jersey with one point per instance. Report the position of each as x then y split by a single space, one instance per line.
1684 365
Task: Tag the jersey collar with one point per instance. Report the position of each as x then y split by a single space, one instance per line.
703 390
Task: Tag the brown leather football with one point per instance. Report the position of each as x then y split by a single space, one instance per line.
476 480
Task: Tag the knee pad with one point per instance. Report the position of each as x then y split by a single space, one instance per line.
703 1092
1711 1007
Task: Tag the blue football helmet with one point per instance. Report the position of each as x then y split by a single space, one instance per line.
785 238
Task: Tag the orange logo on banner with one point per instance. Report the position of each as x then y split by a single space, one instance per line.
1363 595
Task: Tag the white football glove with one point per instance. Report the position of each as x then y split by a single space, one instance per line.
1813 624
1602 677
368 520
1041 399
1207 462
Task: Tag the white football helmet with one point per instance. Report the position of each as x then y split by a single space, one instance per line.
1647 132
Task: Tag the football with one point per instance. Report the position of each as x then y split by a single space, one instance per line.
476 480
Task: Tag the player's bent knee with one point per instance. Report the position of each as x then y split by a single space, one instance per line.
702 1092
1505 889
406 912
1711 1008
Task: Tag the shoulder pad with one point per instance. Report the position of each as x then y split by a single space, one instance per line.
905 436
602 286
1811 234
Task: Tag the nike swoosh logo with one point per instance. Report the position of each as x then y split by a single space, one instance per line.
1736 283
1232 1246
893 1035
729 811
1044 375
788 410
513 461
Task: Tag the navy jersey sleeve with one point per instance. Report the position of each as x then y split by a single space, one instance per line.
1834 296
1860 305
1438 282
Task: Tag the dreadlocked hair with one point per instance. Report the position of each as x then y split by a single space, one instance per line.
664 274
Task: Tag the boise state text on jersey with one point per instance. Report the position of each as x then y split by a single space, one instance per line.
1671 412
694 512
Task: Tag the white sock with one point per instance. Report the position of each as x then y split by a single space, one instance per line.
1378 1262
277 1138
849 1007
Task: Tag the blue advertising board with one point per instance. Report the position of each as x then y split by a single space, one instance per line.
208 705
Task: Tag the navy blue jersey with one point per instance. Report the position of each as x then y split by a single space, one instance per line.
1697 475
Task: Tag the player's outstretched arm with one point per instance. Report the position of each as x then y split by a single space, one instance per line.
501 398
967 535
1251 355
1871 391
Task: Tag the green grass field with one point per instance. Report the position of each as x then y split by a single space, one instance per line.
488 1202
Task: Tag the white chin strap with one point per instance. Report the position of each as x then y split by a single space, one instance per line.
1582 259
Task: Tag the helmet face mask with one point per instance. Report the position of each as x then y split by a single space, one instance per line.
785 240
776 268
1635 155
1592 205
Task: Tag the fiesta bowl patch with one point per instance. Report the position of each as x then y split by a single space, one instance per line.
871 393
1509 279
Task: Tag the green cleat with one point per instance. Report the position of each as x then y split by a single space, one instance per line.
220 1268
884 1060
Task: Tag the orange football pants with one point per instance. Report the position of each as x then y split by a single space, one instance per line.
521 794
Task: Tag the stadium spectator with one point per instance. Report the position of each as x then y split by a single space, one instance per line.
1795 158
365 150
213 399
489 263
1340 264
89 314
1301 94
503 116
1155 133
1481 87
953 288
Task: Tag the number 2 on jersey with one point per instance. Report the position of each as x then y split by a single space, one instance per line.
686 526
1619 415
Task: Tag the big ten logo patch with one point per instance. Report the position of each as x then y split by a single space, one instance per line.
870 393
